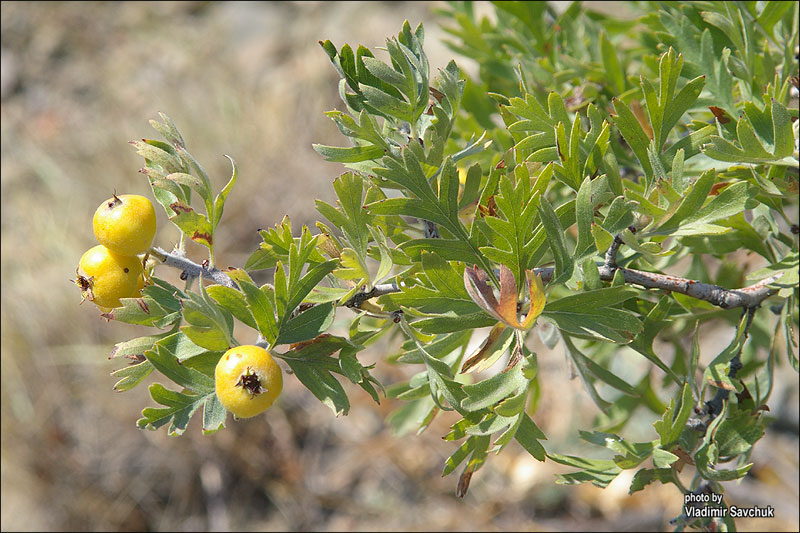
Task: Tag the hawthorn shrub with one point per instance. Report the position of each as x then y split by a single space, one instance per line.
589 157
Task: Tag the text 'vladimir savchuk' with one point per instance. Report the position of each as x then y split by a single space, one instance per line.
696 506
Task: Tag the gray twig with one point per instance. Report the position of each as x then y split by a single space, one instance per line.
190 268
610 262
750 296
747 297
378 290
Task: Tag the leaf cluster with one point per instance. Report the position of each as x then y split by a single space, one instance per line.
669 139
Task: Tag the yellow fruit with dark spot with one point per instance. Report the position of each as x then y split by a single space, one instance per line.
125 224
105 277
248 380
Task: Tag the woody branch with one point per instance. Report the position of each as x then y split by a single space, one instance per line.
190 268
746 297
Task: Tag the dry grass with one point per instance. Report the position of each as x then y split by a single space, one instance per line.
246 79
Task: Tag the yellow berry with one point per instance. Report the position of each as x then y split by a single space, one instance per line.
105 277
125 224
248 380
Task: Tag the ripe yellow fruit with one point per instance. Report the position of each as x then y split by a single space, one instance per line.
125 224
247 380
105 277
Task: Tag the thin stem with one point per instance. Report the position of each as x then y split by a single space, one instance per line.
677 481
714 406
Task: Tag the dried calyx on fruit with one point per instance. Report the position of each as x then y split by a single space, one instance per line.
247 380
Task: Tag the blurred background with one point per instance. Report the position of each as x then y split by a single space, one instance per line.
79 80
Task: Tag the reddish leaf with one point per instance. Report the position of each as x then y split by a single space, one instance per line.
641 117
536 292
473 363
507 308
480 292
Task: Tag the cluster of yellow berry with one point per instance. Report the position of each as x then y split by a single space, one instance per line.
247 378
124 226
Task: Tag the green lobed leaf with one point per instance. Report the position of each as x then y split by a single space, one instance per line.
528 435
219 200
683 101
494 389
584 215
450 249
180 407
555 238
160 154
671 425
167 363
588 300
130 376
164 293
181 346
588 384
411 207
136 346
692 203
645 476
321 383
194 225
653 323
205 362
214 415
633 133
618 217
491 424
737 434
307 324
451 323
188 180
611 64
731 201
234 301
261 307
144 311
299 290
207 325
412 415
168 129
705 460
782 131
600 472
459 455
352 154
605 375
